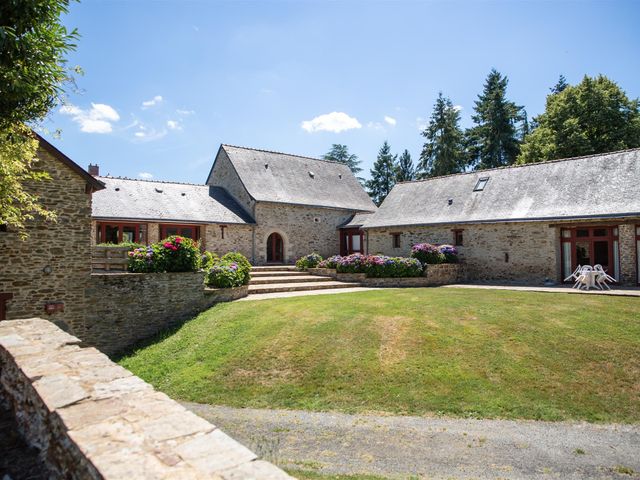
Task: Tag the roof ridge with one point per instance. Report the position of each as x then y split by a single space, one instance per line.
557 160
283 153
152 181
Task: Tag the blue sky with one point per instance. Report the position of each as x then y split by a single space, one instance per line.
166 82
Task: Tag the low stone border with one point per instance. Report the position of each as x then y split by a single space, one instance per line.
351 277
445 273
325 272
226 294
92 419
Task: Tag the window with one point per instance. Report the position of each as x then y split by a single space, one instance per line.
4 297
482 182
119 232
590 246
396 240
188 231
222 229
458 238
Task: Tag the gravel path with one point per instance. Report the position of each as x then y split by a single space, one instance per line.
398 447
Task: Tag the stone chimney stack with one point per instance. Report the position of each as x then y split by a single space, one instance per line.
94 170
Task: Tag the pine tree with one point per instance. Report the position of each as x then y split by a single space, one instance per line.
559 86
405 171
494 141
383 174
340 153
444 151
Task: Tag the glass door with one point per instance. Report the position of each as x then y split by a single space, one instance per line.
590 246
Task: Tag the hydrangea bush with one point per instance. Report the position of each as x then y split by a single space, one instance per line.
434 254
173 254
450 253
308 261
232 270
331 262
378 265
351 264
142 260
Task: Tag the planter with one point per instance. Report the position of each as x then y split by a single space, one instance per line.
226 294
444 273
396 282
325 272
351 277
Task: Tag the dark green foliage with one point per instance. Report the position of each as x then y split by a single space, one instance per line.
128 245
243 265
340 153
392 267
443 152
560 86
494 141
33 45
208 260
173 254
383 174
405 171
232 270
308 261
595 116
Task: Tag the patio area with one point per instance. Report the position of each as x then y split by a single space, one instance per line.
615 290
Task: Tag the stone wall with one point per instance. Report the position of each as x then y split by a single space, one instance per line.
237 238
128 307
224 175
303 229
54 263
628 252
521 252
92 419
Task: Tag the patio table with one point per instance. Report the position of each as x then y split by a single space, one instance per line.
588 279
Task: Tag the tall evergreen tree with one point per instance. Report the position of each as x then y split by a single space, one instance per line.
494 141
405 171
595 116
340 153
444 151
383 174
559 86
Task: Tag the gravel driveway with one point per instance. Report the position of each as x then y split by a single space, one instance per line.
399 447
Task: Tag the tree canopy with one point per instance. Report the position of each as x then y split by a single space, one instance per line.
383 174
443 152
494 141
405 171
595 116
340 153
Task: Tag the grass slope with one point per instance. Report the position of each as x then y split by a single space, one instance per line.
463 352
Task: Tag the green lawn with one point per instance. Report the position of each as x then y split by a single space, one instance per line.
462 352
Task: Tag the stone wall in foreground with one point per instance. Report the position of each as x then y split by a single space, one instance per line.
125 308
92 419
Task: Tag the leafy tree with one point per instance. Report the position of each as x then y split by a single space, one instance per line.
494 141
18 149
405 171
33 45
595 116
560 85
383 174
340 153
444 150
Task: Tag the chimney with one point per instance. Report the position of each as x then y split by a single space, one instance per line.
94 170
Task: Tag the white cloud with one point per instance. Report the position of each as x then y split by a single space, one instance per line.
149 134
145 175
375 125
154 101
331 122
97 119
184 113
390 120
457 108
174 125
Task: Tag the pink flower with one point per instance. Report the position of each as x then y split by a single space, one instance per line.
168 245
178 240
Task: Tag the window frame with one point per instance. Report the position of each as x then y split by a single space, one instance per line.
101 231
612 237
396 239
456 232
481 184
179 226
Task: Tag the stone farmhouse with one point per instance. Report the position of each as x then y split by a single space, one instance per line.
527 223
272 207
48 272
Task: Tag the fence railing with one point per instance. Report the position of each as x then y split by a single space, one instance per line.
109 258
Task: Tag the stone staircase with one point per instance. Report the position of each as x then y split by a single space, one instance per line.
285 278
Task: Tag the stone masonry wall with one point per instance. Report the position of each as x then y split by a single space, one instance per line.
237 238
225 176
64 246
628 252
303 229
521 252
92 419
128 307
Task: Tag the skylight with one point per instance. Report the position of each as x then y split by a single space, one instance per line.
482 182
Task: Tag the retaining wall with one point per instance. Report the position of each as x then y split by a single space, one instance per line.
128 307
92 419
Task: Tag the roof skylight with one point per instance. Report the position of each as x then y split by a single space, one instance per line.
482 182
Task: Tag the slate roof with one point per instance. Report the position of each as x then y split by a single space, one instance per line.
595 186
292 179
130 199
357 220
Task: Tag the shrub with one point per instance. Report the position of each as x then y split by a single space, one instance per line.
427 253
244 267
225 275
143 259
450 253
382 266
331 262
130 245
354 263
208 260
308 261
173 254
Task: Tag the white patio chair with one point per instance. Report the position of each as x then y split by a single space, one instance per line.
573 277
582 280
603 277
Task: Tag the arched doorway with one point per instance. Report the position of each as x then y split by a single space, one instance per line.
275 248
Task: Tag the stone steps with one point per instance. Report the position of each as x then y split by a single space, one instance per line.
280 273
296 287
263 280
273 268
